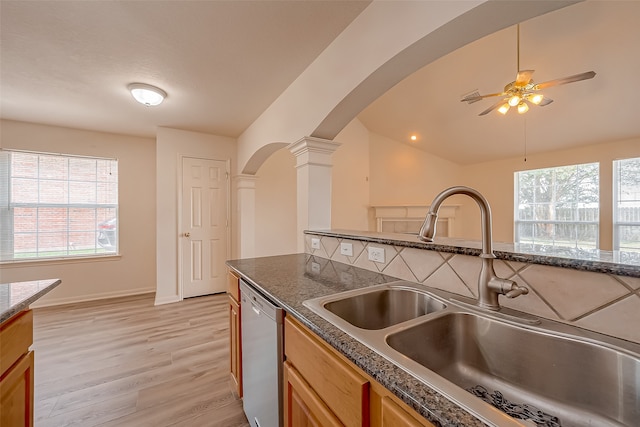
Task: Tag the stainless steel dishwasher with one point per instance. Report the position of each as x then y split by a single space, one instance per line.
262 356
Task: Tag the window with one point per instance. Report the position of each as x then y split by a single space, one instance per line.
56 206
558 206
626 205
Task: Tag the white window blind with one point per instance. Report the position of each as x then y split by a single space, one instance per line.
558 206
626 205
57 206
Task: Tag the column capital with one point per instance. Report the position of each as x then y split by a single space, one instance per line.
311 150
245 181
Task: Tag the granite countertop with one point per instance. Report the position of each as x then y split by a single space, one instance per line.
17 296
288 280
611 262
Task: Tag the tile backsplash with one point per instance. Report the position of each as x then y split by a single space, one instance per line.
604 303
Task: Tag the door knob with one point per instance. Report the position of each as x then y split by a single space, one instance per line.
187 234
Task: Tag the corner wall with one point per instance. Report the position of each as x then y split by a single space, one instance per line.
276 205
350 179
134 271
404 175
171 144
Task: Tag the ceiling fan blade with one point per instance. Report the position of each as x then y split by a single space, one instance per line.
493 107
565 80
475 98
545 101
524 77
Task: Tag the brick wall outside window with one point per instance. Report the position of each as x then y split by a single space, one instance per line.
59 204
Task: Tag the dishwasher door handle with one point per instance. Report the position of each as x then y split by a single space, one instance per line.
253 307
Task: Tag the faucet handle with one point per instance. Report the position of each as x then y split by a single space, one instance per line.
516 291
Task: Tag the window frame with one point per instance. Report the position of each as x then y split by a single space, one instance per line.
516 215
8 205
616 224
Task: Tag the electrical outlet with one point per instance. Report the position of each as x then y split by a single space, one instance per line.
346 249
376 254
315 243
315 268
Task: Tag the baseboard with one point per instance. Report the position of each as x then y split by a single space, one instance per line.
167 300
45 302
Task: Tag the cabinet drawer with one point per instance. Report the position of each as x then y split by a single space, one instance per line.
343 390
233 287
16 335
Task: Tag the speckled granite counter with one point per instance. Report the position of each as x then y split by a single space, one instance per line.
17 296
288 280
594 260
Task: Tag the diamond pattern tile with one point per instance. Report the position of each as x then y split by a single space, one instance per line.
571 292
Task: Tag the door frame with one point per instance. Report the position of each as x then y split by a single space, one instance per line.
179 236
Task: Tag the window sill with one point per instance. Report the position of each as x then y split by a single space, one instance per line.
61 260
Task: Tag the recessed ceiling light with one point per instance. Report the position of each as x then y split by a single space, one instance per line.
414 137
146 94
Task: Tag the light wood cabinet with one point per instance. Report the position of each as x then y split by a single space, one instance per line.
235 331
323 388
16 367
303 407
343 390
392 415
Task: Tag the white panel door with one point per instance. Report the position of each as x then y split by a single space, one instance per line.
204 226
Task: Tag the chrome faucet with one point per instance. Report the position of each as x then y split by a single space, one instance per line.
489 285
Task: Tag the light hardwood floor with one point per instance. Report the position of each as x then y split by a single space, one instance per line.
124 362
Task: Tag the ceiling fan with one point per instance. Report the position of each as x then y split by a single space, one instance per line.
522 92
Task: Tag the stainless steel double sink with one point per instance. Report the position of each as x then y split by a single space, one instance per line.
545 374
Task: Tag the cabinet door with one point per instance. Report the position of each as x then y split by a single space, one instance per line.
235 339
16 394
341 387
302 406
394 416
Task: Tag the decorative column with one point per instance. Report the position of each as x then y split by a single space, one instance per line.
313 164
245 186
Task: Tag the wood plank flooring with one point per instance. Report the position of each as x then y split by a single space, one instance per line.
124 362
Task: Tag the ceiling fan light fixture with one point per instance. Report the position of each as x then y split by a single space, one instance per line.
523 107
514 100
504 108
146 94
535 98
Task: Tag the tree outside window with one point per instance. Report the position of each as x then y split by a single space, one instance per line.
626 205
558 206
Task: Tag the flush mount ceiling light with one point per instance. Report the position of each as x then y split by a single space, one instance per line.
146 94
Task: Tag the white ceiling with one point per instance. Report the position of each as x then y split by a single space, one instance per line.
222 63
603 36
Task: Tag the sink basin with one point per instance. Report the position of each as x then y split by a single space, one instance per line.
381 308
574 382
547 373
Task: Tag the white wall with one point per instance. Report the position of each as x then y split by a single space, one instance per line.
276 205
495 181
350 179
134 271
401 174
171 145
404 175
